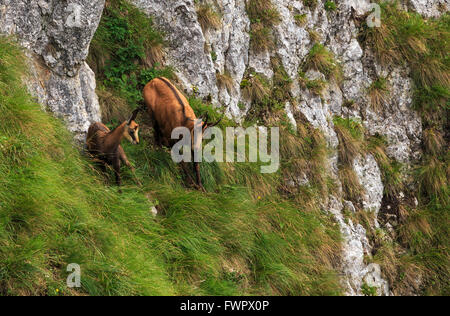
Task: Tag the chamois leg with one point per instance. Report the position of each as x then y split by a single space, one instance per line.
158 134
123 157
197 174
196 166
124 160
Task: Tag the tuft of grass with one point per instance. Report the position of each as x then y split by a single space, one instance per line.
350 134
255 88
433 181
378 92
208 17
321 59
314 36
316 86
405 37
261 38
282 83
301 19
391 170
263 17
434 141
114 108
305 154
351 186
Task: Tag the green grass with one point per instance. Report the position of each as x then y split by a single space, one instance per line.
242 237
322 59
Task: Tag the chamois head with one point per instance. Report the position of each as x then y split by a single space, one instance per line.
131 131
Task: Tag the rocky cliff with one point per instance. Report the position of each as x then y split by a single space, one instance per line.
56 35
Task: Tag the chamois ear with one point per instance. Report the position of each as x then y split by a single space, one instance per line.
134 115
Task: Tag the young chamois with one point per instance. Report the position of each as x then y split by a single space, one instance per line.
170 109
104 144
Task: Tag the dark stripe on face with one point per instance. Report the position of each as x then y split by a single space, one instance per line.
132 135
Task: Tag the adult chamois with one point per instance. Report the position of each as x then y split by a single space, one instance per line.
104 144
170 109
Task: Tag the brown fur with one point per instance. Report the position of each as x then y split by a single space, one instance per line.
166 111
104 144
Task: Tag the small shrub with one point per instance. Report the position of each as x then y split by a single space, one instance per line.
350 134
264 12
263 17
321 59
125 46
214 56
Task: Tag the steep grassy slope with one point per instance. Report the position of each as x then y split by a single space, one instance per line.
242 237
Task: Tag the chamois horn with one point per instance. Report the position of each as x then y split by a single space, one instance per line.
216 123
